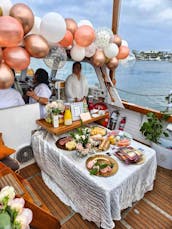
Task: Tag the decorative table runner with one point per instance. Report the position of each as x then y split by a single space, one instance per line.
97 199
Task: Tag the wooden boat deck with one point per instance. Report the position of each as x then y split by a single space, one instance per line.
154 211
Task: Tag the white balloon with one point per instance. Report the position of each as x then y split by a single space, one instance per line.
103 36
111 50
6 6
53 27
124 43
69 47
53 44
36 26
77 53
85 22
90 50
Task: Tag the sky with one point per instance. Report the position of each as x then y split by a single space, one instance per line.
145 24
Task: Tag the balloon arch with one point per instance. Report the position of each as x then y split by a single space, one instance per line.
24 35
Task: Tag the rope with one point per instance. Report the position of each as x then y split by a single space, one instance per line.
133 93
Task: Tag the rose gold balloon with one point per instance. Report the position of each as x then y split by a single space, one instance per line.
0 55
99 58
36 45
24 15
117 40
67 39
11 32
123 52
17 58
71 25
84 36
6 76
113 63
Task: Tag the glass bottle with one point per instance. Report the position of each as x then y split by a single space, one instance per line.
90 102
67 115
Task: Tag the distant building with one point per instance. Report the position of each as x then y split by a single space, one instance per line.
152 55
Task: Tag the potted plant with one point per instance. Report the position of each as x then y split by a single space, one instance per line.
153 130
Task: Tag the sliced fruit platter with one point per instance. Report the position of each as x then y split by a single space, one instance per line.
101 165
130 155
119 138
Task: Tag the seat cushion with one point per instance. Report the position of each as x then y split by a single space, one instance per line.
11 163
1 139
5 151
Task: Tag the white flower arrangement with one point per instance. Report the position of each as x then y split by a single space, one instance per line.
54 108
82 138
13 215
55 105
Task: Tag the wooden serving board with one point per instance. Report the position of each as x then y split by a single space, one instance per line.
62 128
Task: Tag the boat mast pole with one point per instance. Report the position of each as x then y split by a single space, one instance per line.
115 15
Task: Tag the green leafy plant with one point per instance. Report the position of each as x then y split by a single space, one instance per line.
55 111
81 135
153 129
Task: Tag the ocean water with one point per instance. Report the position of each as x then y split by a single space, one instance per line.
145 83
152 79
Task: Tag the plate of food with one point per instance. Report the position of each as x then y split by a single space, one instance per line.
66 143
99 143
101 165
95 130
130 155
119 138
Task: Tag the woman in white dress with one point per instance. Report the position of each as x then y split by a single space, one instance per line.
41 92
76 86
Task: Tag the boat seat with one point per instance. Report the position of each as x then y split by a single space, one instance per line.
11 163
42 218
8 161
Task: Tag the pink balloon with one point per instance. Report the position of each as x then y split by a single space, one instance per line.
17 58
11 32
84 36
67 40
123 52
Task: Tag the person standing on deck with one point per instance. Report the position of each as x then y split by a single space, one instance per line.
10 97
41 92
76 86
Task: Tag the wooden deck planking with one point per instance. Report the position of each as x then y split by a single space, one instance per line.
162 192
148 217
30 171
56 207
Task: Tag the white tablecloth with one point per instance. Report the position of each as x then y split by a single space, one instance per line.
97 199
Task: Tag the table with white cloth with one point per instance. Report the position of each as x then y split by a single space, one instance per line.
97 199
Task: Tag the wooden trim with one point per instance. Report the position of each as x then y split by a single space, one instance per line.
115 15
142 110
42 219
64 129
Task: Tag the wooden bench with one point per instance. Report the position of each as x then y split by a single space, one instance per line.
42 218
